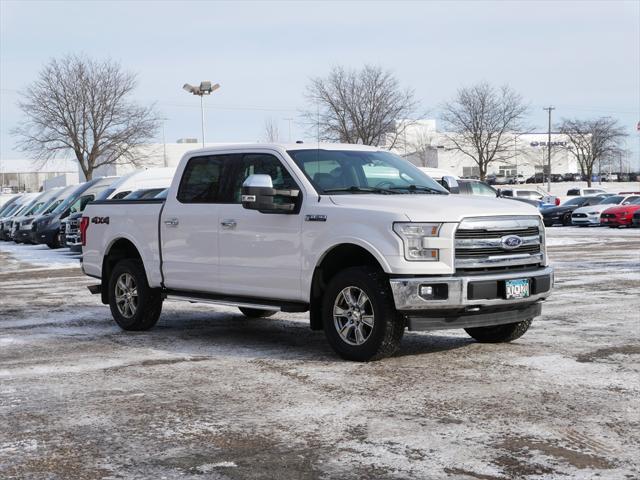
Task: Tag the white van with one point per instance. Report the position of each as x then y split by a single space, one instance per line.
138 180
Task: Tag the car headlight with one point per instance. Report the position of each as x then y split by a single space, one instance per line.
413 237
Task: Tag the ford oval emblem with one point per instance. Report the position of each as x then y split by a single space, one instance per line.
510 242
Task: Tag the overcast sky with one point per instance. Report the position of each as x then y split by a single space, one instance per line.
582 57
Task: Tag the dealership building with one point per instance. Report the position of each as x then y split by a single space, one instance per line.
423 145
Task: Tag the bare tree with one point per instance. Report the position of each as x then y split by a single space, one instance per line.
363 106
271 131
82 106
418 146
593 142
482 121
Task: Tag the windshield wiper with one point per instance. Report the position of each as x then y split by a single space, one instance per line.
356 189
419 188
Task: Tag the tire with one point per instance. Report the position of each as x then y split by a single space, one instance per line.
566 220
54 244
256 312
372 339
499 333
137 312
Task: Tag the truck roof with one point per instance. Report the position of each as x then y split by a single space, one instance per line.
284 146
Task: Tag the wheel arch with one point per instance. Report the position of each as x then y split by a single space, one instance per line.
335 259
120 249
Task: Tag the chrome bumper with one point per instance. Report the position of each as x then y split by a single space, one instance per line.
406 291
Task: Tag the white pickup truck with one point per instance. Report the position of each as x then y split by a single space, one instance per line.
357 236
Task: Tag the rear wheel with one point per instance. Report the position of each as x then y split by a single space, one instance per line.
256 312
359 317
499 333
134 305
566 220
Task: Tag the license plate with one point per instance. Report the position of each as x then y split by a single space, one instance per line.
517 288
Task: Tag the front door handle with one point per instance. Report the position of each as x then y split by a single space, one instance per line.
172 222
228 224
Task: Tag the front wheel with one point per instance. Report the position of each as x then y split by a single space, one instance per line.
134 305
499 333
359 317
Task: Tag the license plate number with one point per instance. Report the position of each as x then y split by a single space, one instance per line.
517 288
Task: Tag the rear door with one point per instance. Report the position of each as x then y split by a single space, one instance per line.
189 225
260 254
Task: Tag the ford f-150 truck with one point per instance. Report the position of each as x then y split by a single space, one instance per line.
357 236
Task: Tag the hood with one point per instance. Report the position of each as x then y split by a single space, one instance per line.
594 208
623 208
435 208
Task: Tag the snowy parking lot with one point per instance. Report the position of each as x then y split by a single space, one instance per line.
211 394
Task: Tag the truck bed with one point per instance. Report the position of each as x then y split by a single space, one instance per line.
134 221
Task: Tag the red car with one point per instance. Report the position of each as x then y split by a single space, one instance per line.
620 215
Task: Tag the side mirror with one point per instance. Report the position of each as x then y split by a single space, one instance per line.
499 193
258 194
451 184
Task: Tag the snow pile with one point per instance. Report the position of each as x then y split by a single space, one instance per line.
38 256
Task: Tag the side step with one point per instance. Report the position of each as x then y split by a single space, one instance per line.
247 302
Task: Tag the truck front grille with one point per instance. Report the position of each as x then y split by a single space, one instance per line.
496 242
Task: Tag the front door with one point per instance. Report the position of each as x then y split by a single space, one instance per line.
259 254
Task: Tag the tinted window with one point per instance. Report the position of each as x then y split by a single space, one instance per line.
573 192
121 195
201 181
615 200
574 201
261 164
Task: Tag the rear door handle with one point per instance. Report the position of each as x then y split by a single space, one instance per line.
172 222
228 224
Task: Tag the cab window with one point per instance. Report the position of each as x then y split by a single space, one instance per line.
479 188
202 179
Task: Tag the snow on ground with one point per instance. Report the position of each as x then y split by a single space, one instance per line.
39 256
211 394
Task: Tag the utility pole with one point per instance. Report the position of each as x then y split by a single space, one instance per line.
549 109
289 120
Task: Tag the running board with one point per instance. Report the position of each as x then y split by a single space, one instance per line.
246 302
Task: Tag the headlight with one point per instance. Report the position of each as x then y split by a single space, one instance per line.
413 237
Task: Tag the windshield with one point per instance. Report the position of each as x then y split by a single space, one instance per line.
615 200
105 194
348 171
79 204
35 208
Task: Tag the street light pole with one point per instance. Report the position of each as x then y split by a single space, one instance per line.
549 109
205 88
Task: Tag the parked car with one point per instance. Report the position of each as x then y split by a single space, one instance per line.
530 194
7 204
46 227
590 215
561 215
138 183
621 215
516 179
16 209
572 177
610 177
80 203
270 227
536 178
21 224
584 192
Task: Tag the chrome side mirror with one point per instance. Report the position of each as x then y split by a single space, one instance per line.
451 184
258 194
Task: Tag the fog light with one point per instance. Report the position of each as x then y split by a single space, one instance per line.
434 291
426 291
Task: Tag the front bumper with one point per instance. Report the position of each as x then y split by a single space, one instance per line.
588 220
46 236
467 296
